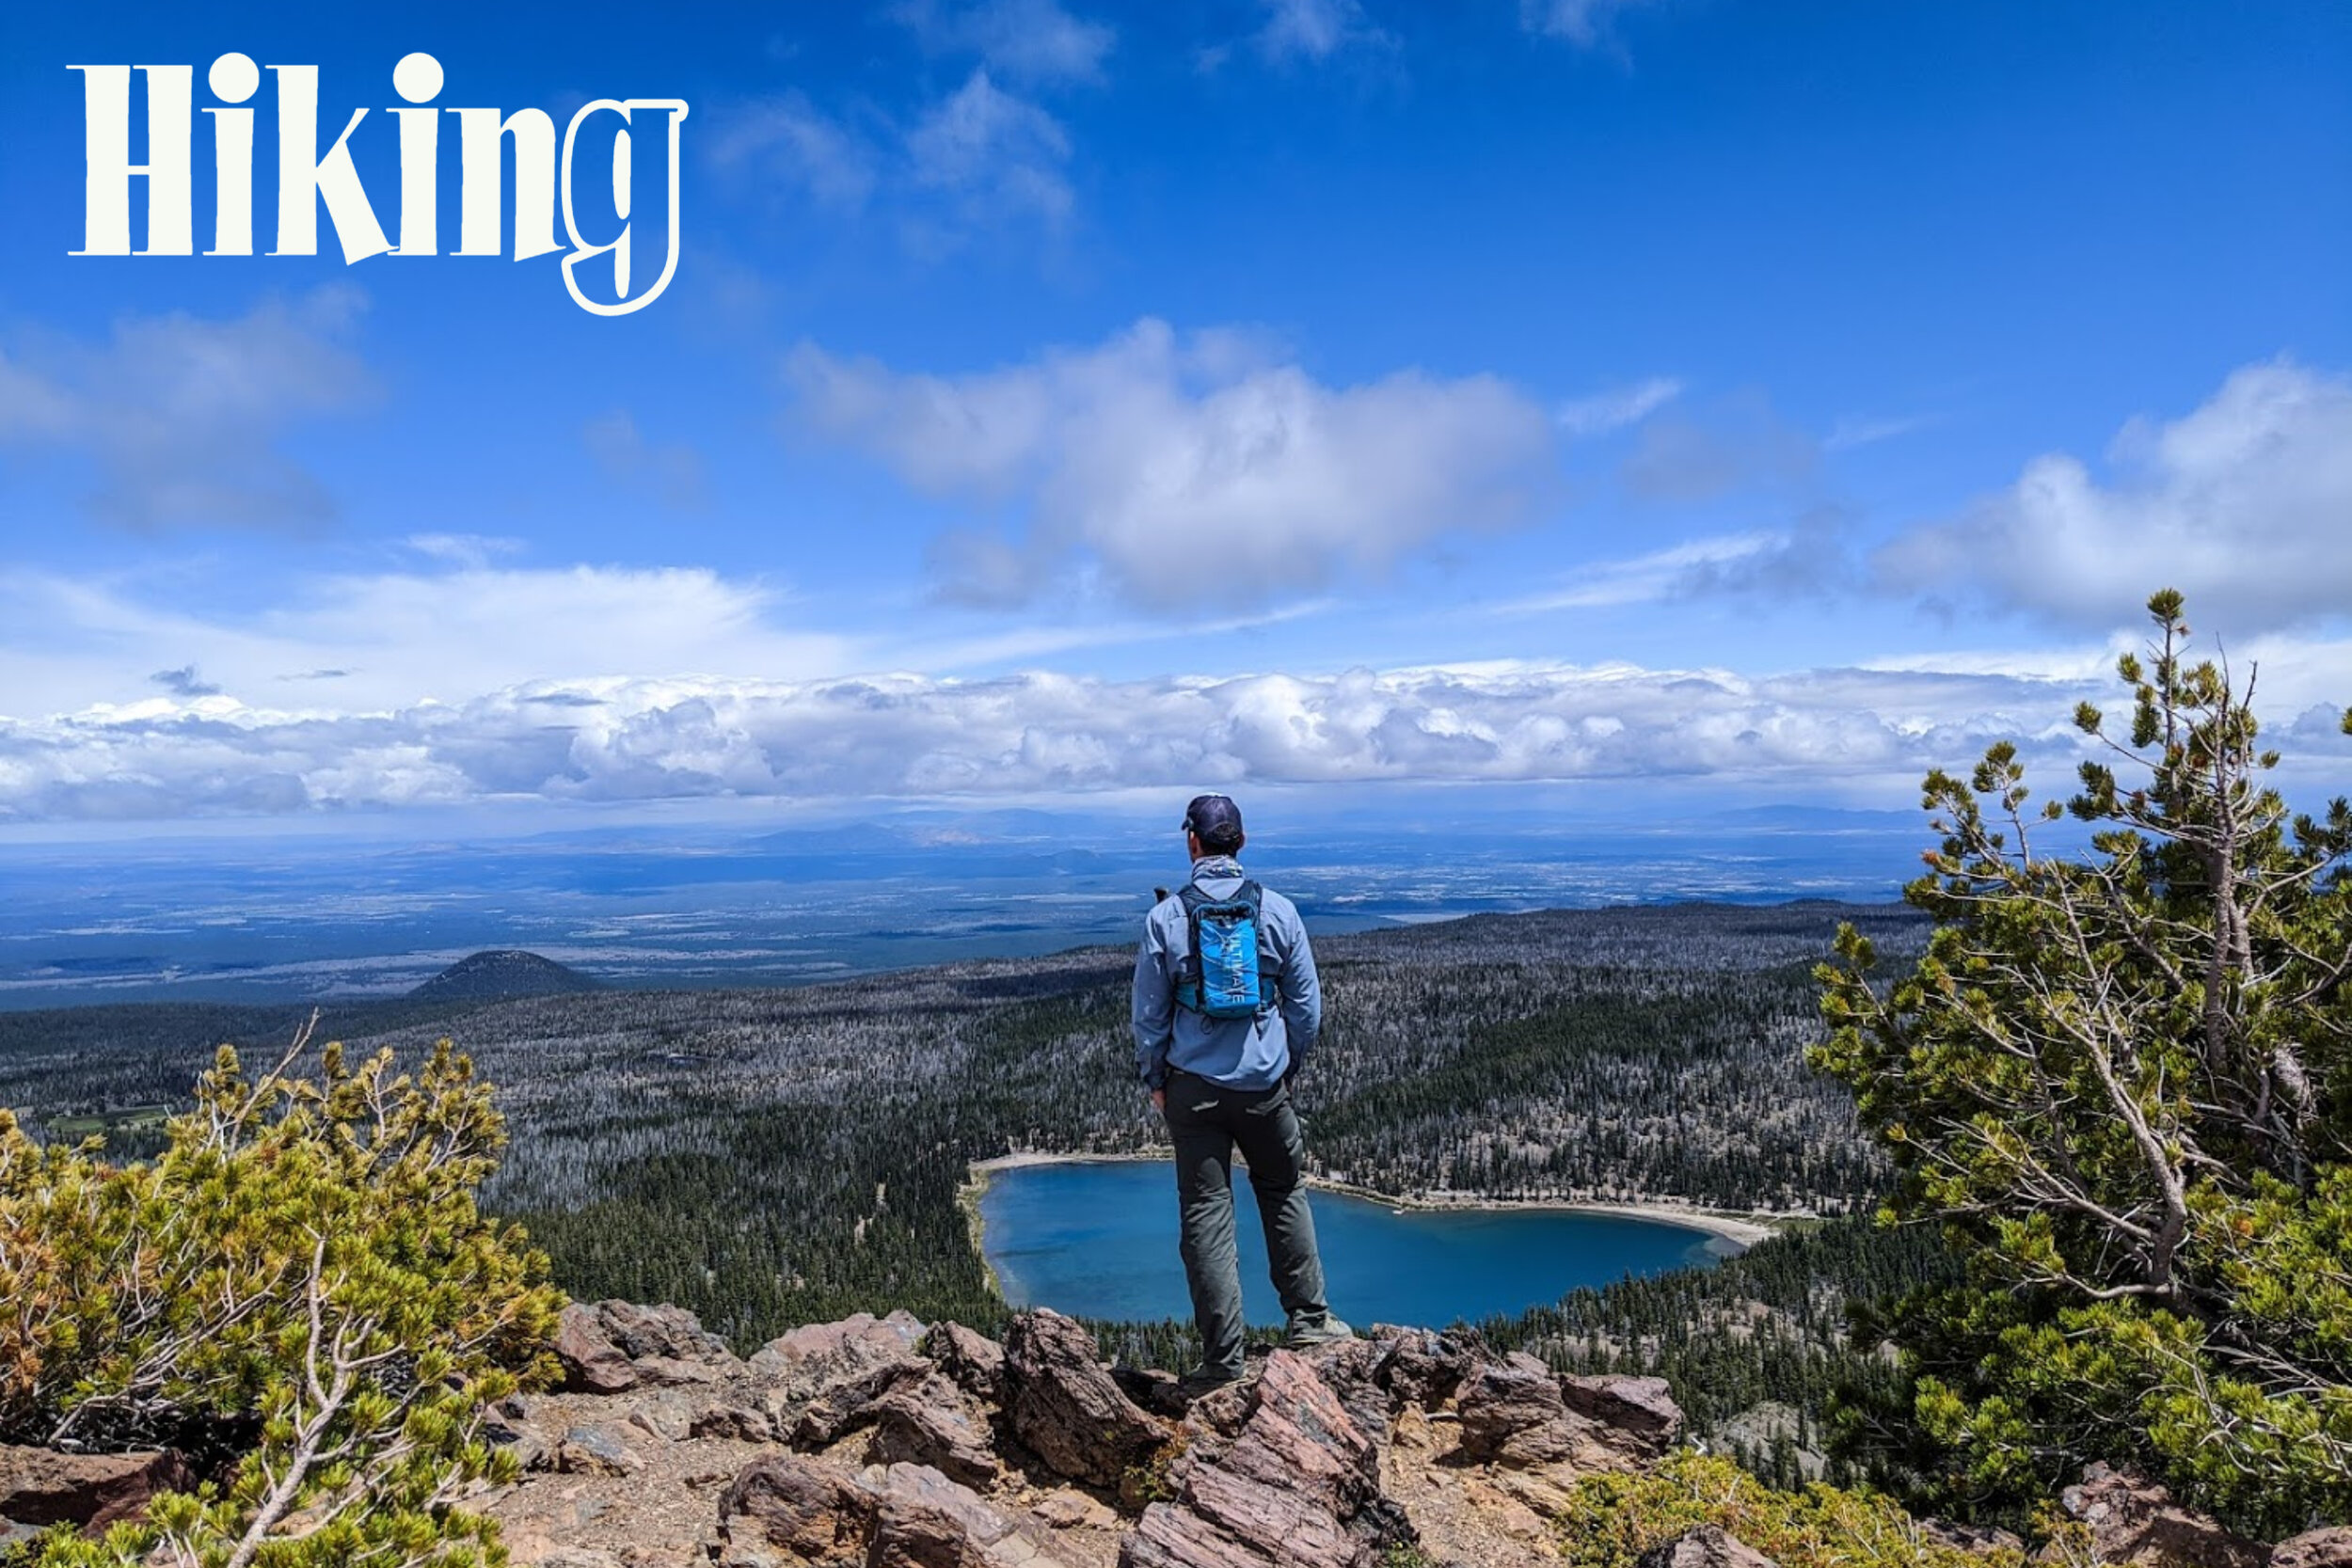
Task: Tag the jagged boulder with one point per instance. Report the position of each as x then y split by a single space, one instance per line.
2329 1547
975 1361
666 1344
817 1379
592 1364
1067 1408
932 1423
40 1487
1979 1540
1295 1483
1707 1546
2134 1519
614 1346
1635 1415
1513 1413
1423 1367
928 1521
789 1509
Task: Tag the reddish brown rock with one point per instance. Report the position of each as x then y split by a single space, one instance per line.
1297 1485
1066 1408
860 1340
1351 1369
823 1380
1513 1413
854 1403
790 1504
597 1448
663 1333
1637 1414
1707 1546
812 1361
2133 1519
1422 1367
39 1486
928 1521
1981 1539
738 1422
929 1423
974 1360
2330 1547
592 1364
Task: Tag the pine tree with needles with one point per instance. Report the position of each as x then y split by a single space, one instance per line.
301 1291
2121 1082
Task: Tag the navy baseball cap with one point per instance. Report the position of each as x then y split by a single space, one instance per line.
1215 820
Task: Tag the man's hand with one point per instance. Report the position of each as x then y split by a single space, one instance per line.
1159 1101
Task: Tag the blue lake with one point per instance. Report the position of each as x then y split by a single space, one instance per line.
1099 1239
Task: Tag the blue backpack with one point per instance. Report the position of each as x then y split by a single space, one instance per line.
1227 975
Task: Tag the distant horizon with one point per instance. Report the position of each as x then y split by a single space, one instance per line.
326 918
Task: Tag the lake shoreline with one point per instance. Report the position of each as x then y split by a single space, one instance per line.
1733 1232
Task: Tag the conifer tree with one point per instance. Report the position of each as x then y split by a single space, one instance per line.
300 1287
2121 1082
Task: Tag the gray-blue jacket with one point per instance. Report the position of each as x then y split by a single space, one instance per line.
1240 1053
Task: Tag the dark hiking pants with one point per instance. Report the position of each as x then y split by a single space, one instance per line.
1207 1121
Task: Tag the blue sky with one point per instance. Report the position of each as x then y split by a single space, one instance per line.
1659 398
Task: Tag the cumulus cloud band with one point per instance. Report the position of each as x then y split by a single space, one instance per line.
901 736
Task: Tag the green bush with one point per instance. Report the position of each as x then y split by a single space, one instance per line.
300 1290
2121 1084
1611 1520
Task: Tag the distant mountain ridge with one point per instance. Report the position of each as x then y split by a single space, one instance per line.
501 972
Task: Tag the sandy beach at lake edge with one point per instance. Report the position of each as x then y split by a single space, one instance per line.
1744 1229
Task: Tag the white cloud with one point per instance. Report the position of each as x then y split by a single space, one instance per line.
1618 407
1855 430
385 642
900 736
2245 504
1316 30
1194 472
1643 580
789 140
463 549
180 417
1027 40
1583 23
492 683
995 154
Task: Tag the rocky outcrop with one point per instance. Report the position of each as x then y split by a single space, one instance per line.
39 1486
1707 1546
1636 1416
787 1508
1067 1408
1979 1540
1278 1474
1514 1413
886 1442
2330 1547
2133 1519
614 1346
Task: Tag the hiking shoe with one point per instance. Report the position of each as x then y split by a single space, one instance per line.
1205 1380
1306 1332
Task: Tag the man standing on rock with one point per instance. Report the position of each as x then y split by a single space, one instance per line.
1226 1007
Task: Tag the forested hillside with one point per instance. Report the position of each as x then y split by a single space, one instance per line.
780 1156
